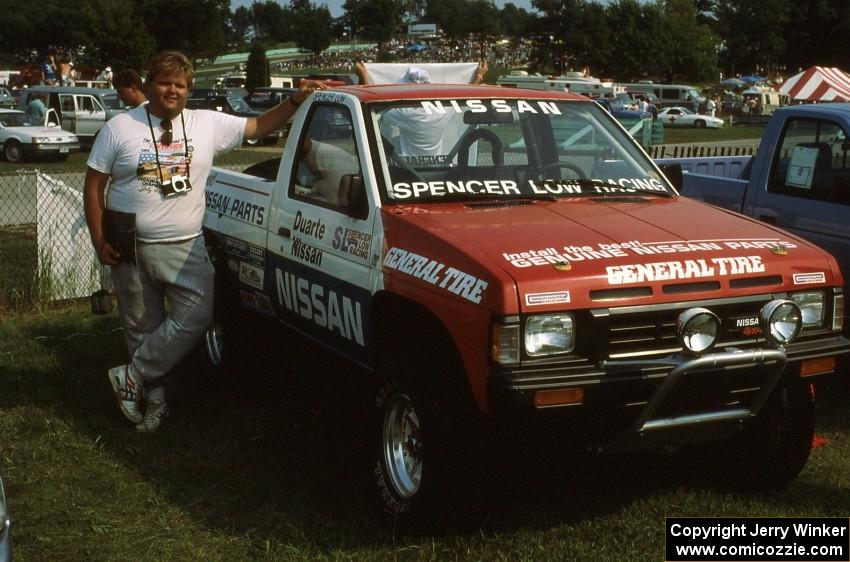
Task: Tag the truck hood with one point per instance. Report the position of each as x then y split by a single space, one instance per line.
577 253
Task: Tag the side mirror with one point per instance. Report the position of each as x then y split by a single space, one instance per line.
353 192
673 172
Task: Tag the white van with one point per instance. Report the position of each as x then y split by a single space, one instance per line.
570 82
82 111
766 101
671 94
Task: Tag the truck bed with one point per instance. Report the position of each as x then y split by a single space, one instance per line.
719 180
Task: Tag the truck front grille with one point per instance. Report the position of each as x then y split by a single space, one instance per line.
642 331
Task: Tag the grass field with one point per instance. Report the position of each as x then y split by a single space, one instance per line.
269 465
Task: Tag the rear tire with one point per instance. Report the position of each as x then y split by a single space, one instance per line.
219 344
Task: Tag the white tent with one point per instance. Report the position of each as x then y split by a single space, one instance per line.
818 83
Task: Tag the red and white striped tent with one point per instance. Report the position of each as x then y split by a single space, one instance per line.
818 83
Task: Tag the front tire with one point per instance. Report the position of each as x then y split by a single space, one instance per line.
774 447
402 450
779 442
424 426
13 151
699 124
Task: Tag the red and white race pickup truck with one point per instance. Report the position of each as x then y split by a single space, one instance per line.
509 256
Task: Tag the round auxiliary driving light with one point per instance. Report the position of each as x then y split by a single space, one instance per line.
781 321
697 329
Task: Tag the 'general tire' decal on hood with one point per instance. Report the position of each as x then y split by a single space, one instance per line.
685 269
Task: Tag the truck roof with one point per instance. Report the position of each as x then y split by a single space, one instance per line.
388 92
817 109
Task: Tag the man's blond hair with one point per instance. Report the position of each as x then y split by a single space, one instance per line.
170 62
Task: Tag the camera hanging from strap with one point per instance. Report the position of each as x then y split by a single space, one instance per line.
177 184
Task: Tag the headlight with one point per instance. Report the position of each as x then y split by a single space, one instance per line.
811 307
697 329
549 334
40 140
781 321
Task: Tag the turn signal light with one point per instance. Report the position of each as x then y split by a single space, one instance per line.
564 397
819 366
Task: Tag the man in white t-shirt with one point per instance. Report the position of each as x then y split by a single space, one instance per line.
156 159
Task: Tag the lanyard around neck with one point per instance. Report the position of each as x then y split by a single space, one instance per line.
156 150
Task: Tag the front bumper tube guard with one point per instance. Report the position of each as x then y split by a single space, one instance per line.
647 423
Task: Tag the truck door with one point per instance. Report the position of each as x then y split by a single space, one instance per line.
808 188
90 115
320 233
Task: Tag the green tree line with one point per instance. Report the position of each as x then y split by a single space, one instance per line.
630 39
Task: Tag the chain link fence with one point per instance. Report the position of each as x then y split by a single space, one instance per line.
45 250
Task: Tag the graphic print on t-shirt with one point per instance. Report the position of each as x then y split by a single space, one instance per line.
172 161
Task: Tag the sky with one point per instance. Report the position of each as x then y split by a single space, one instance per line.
335 6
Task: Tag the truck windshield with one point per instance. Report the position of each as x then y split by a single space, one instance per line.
464 149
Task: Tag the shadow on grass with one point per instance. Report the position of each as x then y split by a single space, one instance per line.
281 450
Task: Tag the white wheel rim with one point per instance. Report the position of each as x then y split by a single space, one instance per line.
402 447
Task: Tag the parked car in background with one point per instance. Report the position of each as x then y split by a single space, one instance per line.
21 139
82 111
684 117
216 92
5 528
651 100
265 98
234 106
236 80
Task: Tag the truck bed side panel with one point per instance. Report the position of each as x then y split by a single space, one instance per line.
723 192
719 166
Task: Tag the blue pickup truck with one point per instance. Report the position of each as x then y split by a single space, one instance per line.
798 180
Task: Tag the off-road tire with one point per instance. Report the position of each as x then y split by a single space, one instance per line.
422 429
776 446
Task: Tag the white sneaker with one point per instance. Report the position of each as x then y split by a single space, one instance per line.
129 390
157 411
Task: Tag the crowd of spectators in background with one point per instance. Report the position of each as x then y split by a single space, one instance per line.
500 54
